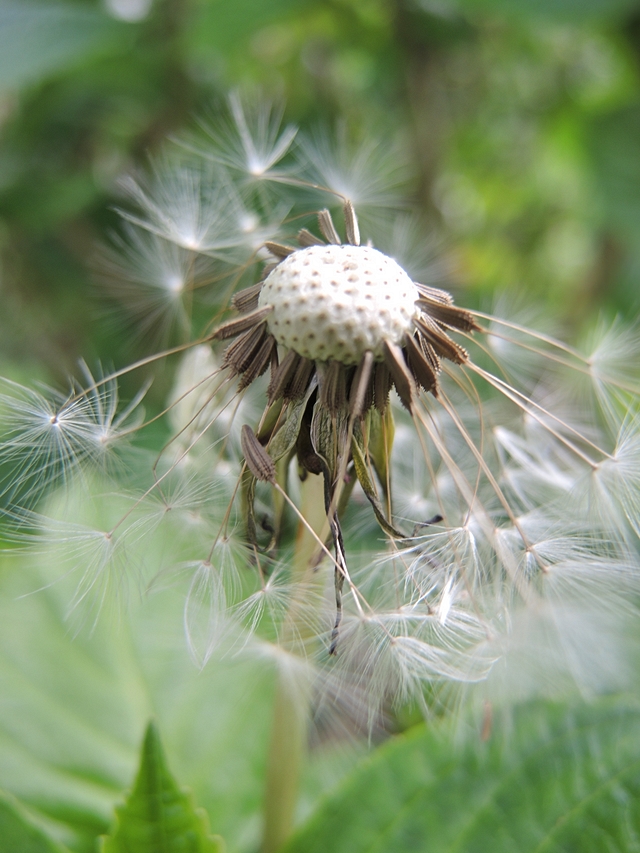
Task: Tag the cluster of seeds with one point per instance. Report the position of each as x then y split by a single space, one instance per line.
337 302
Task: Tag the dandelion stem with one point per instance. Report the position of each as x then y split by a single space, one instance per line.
291 707
284 763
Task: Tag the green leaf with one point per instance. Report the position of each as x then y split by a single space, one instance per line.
18 834
158 816
614 146
37 39
76 700
77 695
554 780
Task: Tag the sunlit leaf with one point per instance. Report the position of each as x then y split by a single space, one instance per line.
76 698
222 25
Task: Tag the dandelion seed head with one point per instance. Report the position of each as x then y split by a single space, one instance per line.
503 480
148 279
337 302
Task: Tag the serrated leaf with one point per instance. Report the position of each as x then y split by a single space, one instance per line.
75 701
38 38
18 834
556 781
158 816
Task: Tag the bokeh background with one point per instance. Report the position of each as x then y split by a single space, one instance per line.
518 124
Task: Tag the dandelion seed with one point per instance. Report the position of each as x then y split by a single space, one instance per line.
91 564
49 437
365 171
153 280
253 141
192 206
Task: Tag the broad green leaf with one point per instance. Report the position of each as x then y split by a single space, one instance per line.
553 781
77 694
159 817
76 700
18 834
37 39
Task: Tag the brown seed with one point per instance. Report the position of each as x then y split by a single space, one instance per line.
400 373
260 362
278 249
333 387
242 351
420 365
247 299
351 224
381 386
299 382
327 228
281 376
449 315
306 239
258 460
440 340
241 324
434 293
359 386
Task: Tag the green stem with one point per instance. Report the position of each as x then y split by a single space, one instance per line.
287 748
286 755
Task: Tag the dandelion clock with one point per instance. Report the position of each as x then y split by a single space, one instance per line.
363 482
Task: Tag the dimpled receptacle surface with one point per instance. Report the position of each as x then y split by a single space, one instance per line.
337 302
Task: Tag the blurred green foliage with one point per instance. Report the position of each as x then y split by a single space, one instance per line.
520 122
